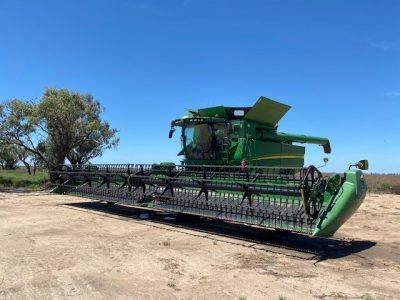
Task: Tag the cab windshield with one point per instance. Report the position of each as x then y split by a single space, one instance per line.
204 141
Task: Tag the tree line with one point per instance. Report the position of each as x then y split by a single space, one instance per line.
62 126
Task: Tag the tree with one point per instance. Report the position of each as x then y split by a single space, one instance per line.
73 122
18 128
61 125
8 156
27 160
100 139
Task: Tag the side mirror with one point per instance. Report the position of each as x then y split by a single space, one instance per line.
362 164
171 132
325 162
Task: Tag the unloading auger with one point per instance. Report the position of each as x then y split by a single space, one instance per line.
236 168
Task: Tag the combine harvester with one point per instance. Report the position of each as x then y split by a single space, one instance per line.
236 168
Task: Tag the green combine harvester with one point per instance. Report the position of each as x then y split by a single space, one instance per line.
236 167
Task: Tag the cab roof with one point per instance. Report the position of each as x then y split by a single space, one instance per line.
265 111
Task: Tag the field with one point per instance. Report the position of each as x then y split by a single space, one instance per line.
383 183
55 246
20 178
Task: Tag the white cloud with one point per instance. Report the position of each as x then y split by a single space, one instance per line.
393 94
385 45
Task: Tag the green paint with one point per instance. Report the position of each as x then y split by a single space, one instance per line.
342 204
266 112
218 111
228 135
251 134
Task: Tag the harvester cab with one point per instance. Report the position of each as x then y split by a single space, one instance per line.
232 135
237 167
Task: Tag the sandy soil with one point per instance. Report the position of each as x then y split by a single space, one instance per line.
55 246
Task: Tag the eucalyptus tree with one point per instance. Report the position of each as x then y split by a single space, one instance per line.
61 125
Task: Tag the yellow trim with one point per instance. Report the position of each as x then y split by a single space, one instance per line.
279 156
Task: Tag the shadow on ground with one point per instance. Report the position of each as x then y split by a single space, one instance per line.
292 244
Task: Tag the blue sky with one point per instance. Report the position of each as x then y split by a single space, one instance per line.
337 63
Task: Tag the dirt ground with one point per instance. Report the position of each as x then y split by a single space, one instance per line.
55 246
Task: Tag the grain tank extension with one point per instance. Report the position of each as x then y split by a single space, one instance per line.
236 167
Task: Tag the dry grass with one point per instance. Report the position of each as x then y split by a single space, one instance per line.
383 183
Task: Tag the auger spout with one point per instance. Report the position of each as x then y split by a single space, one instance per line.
300 138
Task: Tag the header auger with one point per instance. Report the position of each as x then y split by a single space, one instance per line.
236 168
